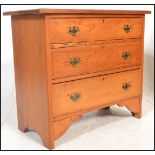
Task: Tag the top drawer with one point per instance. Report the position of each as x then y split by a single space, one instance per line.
64 30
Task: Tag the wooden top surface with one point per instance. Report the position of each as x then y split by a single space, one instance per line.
71 11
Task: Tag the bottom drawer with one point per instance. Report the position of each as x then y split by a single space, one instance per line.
95 91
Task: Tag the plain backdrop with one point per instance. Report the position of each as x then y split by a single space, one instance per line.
77 2
7 68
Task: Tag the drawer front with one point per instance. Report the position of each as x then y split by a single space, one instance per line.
94 28
81 60
91 92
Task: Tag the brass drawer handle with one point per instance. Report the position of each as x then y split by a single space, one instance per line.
74 30
127 28
125 55
75 61
75 96
126 85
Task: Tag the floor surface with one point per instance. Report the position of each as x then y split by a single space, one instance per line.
113 129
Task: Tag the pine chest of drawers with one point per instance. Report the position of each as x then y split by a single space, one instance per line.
69 62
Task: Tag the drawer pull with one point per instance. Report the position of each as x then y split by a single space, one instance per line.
126 85
75 61
74 30
127 28
74 97
125 55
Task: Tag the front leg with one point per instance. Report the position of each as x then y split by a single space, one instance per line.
134 105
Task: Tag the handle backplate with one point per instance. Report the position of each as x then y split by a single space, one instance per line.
75 97
127 28
74 30
126 85
74 61
125 55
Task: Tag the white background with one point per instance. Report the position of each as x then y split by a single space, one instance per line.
75 2
7 69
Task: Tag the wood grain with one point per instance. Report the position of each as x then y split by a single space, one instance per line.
61 126
78 11
95 58
68 16
62 123
134 105
94 28
31 75
95 74
120 103
139 115
91 42
95 91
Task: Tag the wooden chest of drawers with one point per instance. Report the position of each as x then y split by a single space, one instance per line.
69 62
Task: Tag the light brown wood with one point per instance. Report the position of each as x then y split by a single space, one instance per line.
94 28
126 102
45 78
95 91
71 12
91 42
68 16
133 105
62 123
95 74
61 126
95 58
49 60
140 100
31 76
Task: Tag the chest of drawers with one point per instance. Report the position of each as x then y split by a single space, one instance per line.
69 62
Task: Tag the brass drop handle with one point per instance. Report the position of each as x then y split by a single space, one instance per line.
75 96
126 85
127 28
125 55
74 61
74 30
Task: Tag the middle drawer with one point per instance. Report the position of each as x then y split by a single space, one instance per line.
88 59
